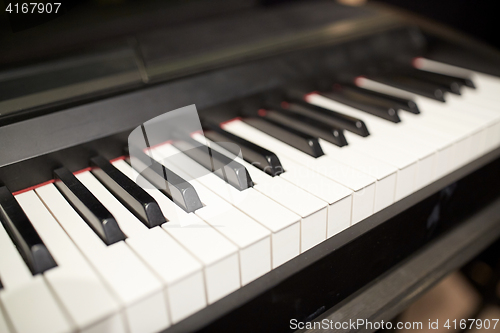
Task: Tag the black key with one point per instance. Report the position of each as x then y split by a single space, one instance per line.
446 82
23 234
465 81
332 118
90 209
128 192
374 106
260 157
303 142
1 285
412 85
307 125
171 184
225 168
398 102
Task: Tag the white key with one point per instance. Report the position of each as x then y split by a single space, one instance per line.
362 184
485 111
180 272
469 118
475 119
338 197
81 292
4 328
218 255
459 133
137 289
221 263
385 174
27 300
253 240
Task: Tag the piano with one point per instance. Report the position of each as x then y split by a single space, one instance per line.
348 159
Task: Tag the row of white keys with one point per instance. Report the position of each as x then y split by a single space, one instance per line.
159 251
311 211
485 94
338 197
81 292
27 300
385 174
436 116
432 146
220 263
410 158
361 184
422 134
474 120
284 225
465 129
217 254
470 106
485 109
137 289
252 239
415 161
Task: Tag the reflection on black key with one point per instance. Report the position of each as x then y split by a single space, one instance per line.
23 234
171 184
368 104
332 118
412 85
128 192
225 168
398 102
89 208
303 142
307 125
260 157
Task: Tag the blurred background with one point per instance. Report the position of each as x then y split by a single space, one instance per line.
476 18
26 37
473 292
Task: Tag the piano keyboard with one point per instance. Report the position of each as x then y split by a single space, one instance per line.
95 251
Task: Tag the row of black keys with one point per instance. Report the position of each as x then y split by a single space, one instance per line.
292 121
286 115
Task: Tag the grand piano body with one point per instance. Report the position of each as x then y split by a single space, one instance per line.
401 250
